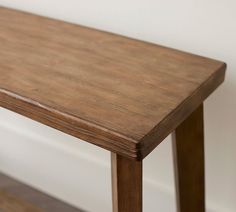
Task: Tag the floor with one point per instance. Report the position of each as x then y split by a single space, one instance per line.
18 197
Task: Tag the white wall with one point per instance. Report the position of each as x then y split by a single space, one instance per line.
64 167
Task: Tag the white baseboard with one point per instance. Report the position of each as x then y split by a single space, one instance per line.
67 171
76 178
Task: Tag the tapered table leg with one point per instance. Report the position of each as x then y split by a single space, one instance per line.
126 184
188 149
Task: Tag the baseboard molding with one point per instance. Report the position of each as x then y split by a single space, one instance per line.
74 176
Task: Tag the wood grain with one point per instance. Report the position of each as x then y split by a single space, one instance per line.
121 94
188 149
18 197
9 203
126 184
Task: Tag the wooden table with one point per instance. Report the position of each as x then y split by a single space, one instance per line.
118 93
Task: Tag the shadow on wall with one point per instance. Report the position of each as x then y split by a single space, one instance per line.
220 125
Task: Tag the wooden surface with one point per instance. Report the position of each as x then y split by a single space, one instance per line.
189 163
118 93
126 184
17 197
9 203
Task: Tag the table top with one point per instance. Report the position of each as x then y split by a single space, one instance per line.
121 94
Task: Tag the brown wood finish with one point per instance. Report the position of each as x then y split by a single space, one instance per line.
18 197
188 149
121 94
9 203
126 184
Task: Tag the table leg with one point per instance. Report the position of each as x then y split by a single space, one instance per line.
188 150
126 184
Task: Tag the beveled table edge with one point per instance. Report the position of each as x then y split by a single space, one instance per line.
69 124
104 137
181 112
